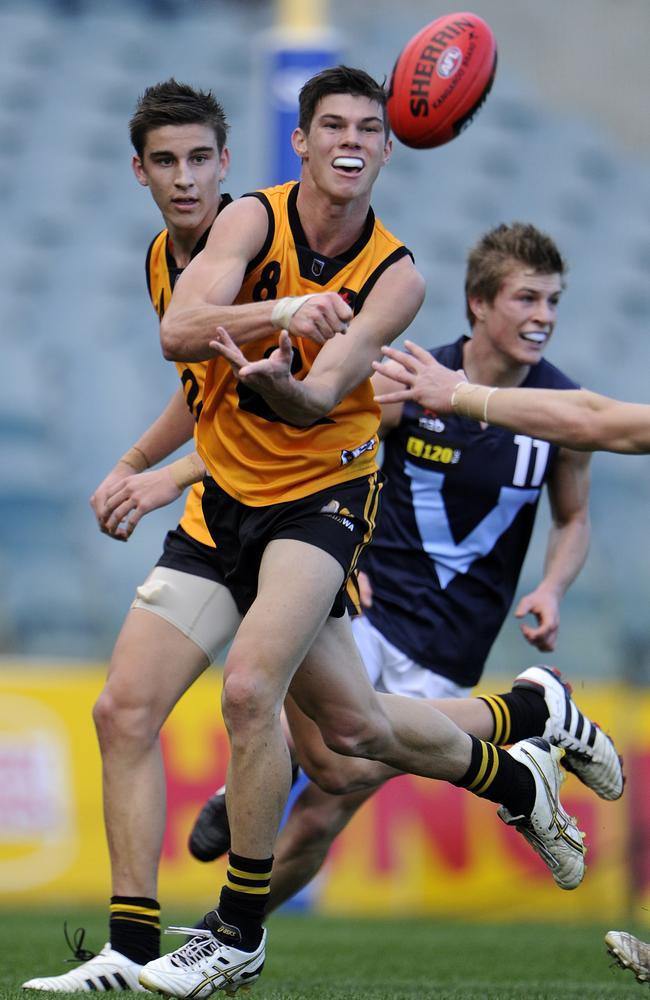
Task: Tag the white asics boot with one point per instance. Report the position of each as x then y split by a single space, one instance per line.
630 953
202 966
109 971
590 753
550 831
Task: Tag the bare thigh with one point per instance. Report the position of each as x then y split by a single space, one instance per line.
154 661
297 585
332 679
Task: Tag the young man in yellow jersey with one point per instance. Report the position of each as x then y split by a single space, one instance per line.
179 136
288 435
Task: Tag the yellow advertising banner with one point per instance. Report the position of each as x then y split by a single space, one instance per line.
418 847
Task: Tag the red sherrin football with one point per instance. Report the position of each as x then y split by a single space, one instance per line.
440 80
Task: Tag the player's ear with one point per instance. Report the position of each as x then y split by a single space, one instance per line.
224 163
299 142
388 150
138 170
477 306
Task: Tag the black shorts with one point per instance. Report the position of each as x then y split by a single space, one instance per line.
340 520
186 554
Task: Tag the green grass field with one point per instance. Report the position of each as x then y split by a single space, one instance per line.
319 958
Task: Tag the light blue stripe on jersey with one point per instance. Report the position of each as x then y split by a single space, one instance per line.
450 558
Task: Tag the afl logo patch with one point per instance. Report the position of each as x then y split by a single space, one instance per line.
449 62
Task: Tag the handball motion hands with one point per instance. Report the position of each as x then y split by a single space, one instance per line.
263 375
317 317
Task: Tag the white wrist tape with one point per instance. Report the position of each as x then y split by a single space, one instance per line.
285 309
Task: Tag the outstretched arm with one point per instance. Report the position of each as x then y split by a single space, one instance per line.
575 418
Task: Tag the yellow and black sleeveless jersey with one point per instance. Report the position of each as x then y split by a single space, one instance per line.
254 455
162 273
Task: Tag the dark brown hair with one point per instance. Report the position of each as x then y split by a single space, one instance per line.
339 80
173 103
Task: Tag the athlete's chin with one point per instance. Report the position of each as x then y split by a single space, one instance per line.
186 211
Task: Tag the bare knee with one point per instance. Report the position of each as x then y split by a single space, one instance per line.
341 777
249 701
338 773
123 720
356 735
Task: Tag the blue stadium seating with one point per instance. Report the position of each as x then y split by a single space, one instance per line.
84 372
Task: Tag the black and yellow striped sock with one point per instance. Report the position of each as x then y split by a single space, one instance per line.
135 927
244 897
517 715
493 774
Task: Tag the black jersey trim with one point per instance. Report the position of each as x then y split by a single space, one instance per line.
147 262
172 268
301 240
270 233
200 243
226 199
371 281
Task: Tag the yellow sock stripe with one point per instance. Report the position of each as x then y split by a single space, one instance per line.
507 721
492 752
143 911
134 920
253 890
253 876
501 717
482 769
134 908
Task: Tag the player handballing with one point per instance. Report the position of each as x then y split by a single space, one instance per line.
288 433
457 513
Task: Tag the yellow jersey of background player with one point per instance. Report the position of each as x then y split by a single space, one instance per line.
162 272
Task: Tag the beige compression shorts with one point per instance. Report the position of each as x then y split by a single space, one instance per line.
201 609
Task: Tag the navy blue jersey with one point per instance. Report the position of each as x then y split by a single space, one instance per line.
457 513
